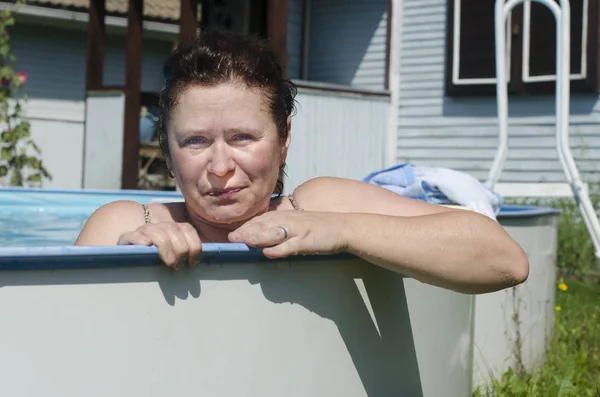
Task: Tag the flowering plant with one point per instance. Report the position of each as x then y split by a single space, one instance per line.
19 161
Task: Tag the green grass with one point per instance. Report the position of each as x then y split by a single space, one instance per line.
572 367
575 248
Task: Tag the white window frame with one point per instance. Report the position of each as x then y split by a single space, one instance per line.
456 80
527 78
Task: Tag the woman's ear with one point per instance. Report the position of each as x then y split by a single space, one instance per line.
288 140
289 131
170 167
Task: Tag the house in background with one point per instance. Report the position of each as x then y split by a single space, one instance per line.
336 51
447 107
381 82
49 41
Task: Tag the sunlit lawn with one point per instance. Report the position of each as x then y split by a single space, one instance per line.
573 362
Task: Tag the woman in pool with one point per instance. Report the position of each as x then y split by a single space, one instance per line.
225 129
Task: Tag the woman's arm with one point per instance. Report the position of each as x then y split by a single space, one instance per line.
456 250
451 248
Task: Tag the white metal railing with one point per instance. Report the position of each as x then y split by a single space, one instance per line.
562 15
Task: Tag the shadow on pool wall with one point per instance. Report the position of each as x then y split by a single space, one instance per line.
241 324
336 327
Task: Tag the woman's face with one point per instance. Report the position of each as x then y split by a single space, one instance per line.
225 151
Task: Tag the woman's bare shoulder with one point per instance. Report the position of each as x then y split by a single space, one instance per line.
348 195
109 221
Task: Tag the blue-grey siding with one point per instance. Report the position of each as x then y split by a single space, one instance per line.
336 134
154 54
348 42
462 133
54 59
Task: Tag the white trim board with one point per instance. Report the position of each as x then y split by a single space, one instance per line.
540 189
55 110
83 18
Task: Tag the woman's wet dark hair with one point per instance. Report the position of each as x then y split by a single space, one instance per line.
218 57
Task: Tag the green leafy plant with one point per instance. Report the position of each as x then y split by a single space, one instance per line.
20 164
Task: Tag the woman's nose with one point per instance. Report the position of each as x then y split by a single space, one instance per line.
221 162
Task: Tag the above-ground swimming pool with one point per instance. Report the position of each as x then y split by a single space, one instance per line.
99 321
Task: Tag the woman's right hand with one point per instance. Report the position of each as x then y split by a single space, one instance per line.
178 243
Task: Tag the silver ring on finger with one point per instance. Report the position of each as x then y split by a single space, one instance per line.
285 233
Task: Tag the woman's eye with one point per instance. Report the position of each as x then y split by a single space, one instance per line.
243 137
195 141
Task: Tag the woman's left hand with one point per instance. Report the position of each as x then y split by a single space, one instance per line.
307 233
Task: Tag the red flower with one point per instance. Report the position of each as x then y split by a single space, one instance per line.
22 77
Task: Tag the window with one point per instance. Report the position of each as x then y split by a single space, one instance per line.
531 48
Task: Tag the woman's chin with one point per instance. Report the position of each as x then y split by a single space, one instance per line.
227 216
231 213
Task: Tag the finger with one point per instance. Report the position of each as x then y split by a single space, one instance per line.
261 235
288 248
179 244
134 238
193 242
161 239
240 235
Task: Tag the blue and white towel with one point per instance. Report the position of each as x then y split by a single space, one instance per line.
438 185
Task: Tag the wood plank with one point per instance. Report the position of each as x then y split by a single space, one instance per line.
96 45
133 85
550 189
526 176
527 167
277 13
460 146
188 21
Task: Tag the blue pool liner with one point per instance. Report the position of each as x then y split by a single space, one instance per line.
524 211
64 257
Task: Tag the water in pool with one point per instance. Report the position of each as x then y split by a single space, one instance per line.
42 218
39 229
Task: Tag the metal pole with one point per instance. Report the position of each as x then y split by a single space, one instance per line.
501 94
562 15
